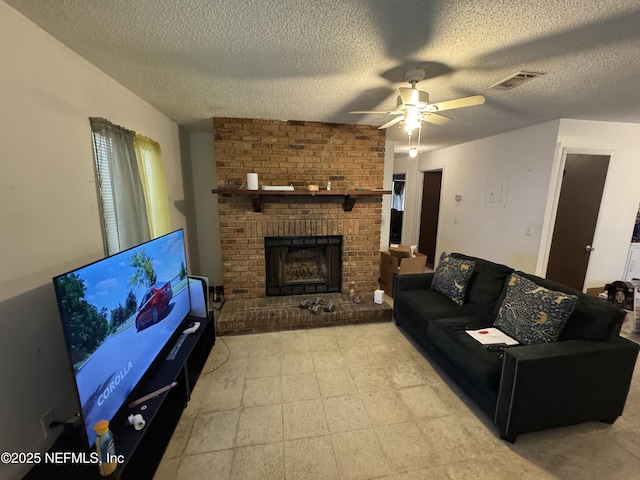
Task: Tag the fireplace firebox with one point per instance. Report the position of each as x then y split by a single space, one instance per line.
303 265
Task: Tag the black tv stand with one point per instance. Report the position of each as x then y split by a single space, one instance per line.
142 450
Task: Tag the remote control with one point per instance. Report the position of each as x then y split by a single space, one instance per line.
193 327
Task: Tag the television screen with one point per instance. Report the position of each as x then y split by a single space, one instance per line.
117 315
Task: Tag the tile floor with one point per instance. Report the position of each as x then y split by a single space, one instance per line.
362 402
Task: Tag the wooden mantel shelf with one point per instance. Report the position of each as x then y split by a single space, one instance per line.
259 196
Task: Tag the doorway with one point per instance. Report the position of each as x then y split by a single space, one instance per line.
429 215
576 217
397 207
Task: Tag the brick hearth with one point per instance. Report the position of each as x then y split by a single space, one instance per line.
298 153
282 313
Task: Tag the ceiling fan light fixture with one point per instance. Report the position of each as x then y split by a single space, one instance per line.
413 146
412 120
409 96
412 98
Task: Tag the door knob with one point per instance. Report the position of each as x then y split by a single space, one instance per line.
589 248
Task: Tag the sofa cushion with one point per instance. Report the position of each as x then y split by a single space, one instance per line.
423 305
451 277
475 361
592 318
486 287
533 314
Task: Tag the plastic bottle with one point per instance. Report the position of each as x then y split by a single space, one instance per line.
352 290
328 185
105 447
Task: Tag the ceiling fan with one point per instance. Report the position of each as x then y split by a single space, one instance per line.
413 105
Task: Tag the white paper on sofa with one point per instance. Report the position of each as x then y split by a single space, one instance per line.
492 336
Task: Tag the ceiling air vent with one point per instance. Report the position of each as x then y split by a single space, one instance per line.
515 80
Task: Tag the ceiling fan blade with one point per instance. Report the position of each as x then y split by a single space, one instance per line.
390 112
392 122
435 118
458 103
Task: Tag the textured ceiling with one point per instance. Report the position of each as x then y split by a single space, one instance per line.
319 59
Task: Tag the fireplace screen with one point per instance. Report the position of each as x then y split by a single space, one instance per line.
303 265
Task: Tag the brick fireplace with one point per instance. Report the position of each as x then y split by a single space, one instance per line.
298 153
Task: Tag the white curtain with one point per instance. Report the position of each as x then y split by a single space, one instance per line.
123 207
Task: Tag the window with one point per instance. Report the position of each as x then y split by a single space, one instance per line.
131 186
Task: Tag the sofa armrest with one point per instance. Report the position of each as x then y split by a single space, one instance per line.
563 383
411 281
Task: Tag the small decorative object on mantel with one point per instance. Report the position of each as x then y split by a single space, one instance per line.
313 188
278 188
352 290
252 181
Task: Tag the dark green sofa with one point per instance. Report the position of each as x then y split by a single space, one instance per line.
584 376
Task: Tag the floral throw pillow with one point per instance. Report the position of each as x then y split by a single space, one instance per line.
451 277
533 314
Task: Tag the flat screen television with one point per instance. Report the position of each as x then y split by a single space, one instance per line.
118 315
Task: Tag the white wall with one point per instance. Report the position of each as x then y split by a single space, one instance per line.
203 167
516 168
524 165
49 214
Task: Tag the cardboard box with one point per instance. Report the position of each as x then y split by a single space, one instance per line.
400 251
391 263
595 291
386 283
394 264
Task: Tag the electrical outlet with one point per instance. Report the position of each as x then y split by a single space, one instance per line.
46 420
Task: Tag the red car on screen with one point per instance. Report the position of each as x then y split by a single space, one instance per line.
153 305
